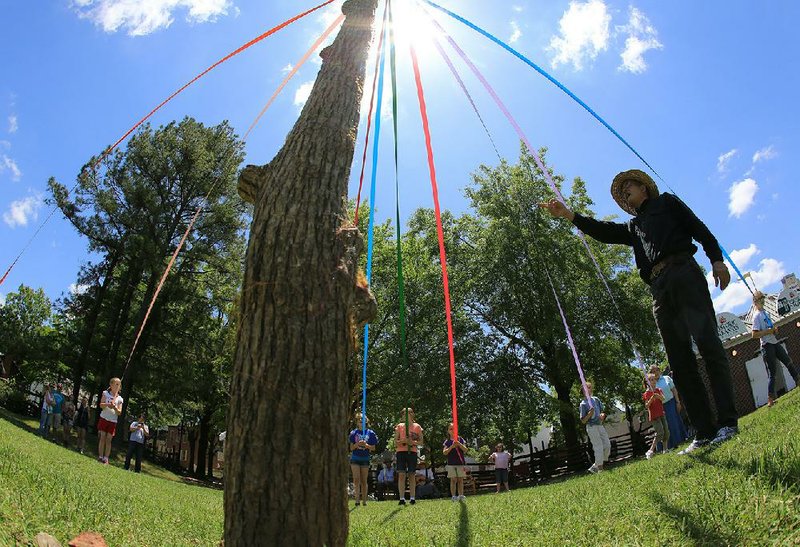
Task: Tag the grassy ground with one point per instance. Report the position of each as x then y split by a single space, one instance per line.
746 492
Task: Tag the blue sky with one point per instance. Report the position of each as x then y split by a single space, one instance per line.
704 90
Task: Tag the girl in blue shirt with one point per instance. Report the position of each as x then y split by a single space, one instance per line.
362 442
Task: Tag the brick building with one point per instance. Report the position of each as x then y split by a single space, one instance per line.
748 369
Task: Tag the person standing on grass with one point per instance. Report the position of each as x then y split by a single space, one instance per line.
55 417
654 402
47 409
138 433
111 405
455 449
661 233
772 351
672 408
82 423
593 417
407 444
501 460
67 417
362 442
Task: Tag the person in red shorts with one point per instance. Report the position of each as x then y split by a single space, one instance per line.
111 408
654 401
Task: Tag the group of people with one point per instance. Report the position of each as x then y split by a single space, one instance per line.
661 232
59 415
412 470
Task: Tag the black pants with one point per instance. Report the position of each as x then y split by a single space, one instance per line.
137 449
683 311
772 354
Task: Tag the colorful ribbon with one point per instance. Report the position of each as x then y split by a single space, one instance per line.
294 70
371 228
401 292
544 73
570 339
369 116
439 231
111 148
539 162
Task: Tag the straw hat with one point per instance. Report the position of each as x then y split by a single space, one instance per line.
618 187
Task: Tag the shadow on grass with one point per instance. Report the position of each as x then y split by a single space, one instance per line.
391 515
779 467
14 419
464 536
692 525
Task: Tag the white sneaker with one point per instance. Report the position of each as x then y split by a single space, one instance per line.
648 454
454 498
695 444
593 469
462 498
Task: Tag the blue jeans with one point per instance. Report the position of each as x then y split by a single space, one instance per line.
677 429
43 423
772 354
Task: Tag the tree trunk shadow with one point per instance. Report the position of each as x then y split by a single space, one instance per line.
691 525
464 538
779 468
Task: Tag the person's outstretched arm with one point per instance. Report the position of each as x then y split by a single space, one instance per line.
606 232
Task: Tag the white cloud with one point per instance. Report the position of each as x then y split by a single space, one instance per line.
302 93
8 164
516 33
642 37
742 257
13 123
141 17
724 159
23 211
76 288
765 154
584 33
742 196
288 68
517 8
769 271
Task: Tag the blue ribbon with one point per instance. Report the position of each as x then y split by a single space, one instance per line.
544 73
371 229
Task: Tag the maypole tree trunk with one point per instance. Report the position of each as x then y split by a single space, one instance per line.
286 467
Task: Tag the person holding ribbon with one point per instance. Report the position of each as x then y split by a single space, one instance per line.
672 407
455 449
592 416
661 233
501 460
654 402
772 351
407 439
362 442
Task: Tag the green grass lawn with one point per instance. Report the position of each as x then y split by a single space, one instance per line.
746 492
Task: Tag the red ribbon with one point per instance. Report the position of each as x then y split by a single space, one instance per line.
440 233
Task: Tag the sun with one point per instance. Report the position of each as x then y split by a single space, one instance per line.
412 26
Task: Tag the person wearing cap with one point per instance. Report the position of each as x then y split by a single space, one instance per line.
772 351
661 233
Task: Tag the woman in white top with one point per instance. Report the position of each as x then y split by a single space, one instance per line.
111 408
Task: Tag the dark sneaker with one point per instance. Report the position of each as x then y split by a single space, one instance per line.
725 434
402 501
412 501
696 443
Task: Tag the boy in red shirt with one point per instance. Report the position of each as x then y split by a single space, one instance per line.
654 402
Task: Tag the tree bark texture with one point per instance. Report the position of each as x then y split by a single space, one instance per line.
286 467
